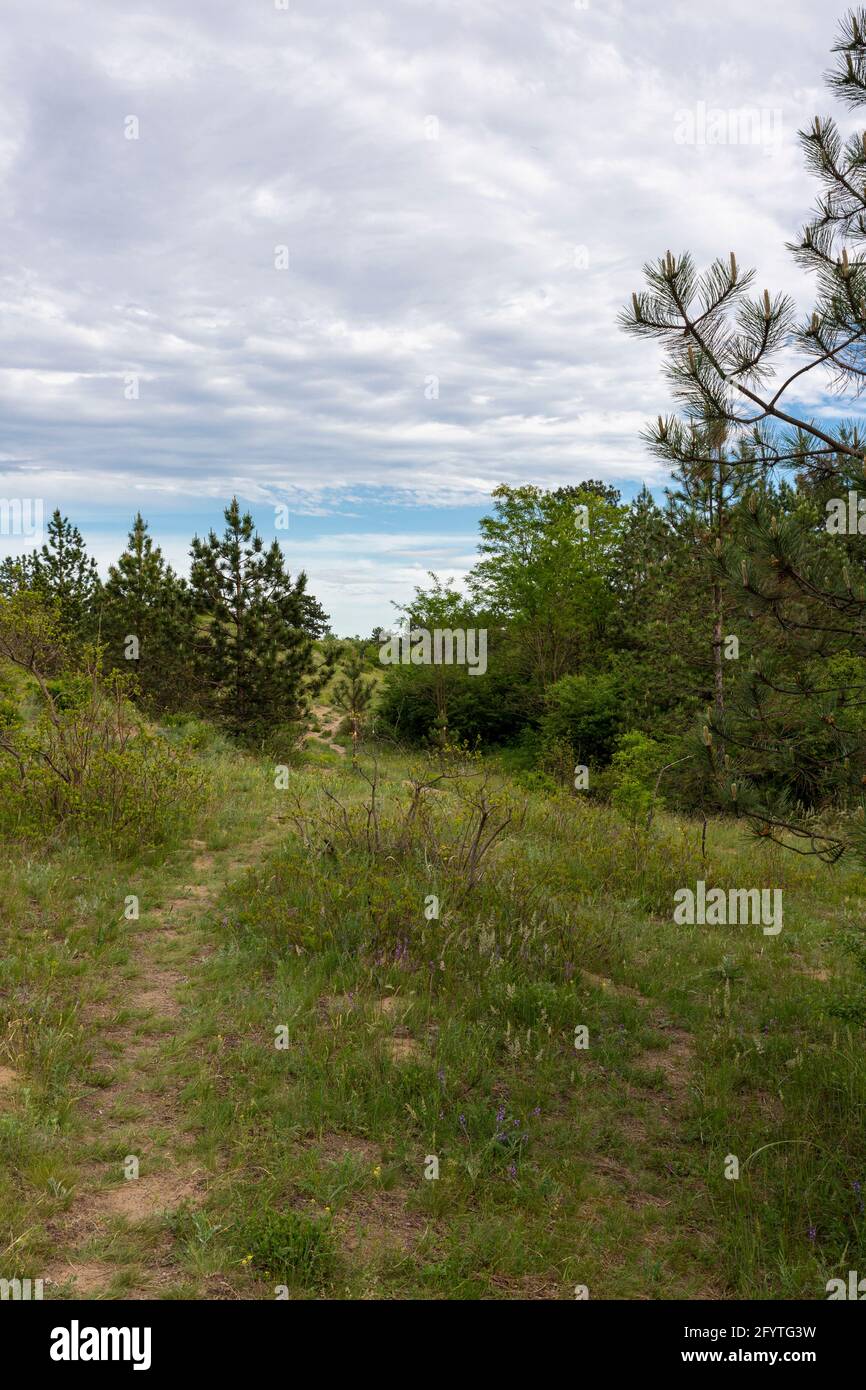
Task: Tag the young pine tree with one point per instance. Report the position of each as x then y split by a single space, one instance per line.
63 576
256 642
709 483
149 623
16 574
353 694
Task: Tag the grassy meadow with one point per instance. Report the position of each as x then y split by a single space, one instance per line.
335 1049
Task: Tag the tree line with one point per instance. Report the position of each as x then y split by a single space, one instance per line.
636 622
235 642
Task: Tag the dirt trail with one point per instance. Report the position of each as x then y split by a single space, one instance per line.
674 1060
330 720
649 1122
134 1117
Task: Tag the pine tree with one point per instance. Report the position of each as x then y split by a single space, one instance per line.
256 644
703 504
353 693
787 742
62 574
63 571
16 574
149 623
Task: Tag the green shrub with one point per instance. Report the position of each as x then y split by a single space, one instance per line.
87 764
634 769
190 732
583 711
487 710
70 692
282 743
290 1247
849 1003
142 795
10 714
536 780
129 798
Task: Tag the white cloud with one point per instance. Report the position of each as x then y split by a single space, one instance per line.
410 256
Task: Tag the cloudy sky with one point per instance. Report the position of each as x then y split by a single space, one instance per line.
365 260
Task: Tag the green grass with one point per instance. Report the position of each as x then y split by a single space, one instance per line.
407 1040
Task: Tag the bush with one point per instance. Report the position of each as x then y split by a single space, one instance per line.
634 768
70 692
282 742
583 711
850 1002
487 710
188 731
86 763
536 780
142 795
73 752
130 796
290 1247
